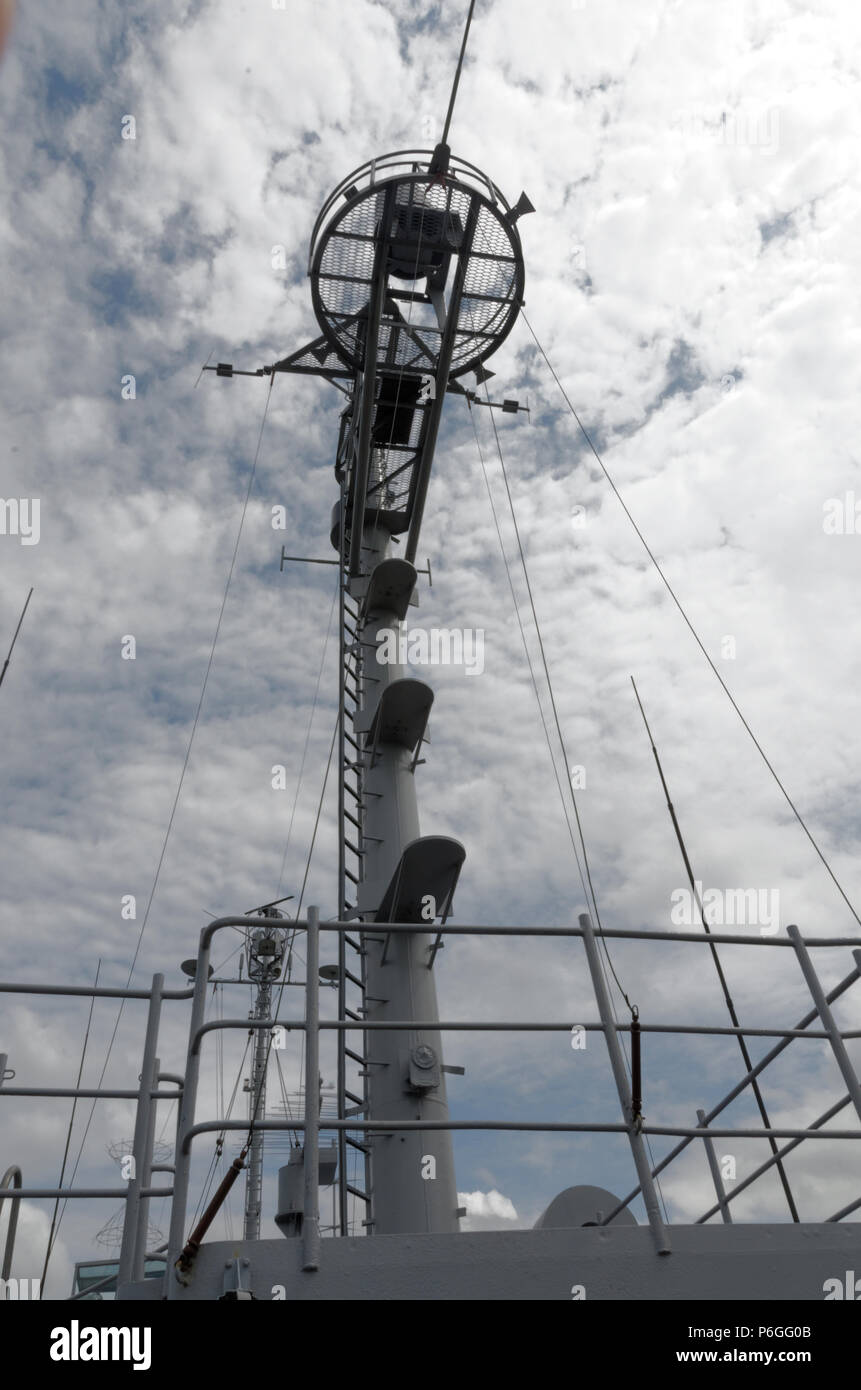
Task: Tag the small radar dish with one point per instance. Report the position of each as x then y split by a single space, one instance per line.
189 968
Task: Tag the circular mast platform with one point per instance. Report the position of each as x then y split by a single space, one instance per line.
417 276
426 218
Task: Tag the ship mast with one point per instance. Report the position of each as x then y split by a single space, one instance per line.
416 273
440 268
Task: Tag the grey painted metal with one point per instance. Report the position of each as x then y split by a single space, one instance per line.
511 1026
11 1176
398 984
740 1263
82 1092
28 1193
142 1129
368 390
611 933
412 930
838 1047
452 929
93 1288
188 1102
845 1211
617 1062
311 1206
535 1026
769 1162
769 1057
526 1127
265 953
472 929
714 1166
442 378
402 161
257 1107
89 991
341 1060
146 1179
253 1025
370 1126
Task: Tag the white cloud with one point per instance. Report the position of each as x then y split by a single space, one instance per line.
486 1211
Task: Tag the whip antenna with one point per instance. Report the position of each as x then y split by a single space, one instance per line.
746 1058
15 638
457 76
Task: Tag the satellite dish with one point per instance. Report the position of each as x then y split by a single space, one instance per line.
189 968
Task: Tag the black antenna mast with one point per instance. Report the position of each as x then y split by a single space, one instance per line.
718 967
15 638
453 97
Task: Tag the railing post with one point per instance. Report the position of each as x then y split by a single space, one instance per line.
617 1062
145 1106
311 1206
838 1047
145 1169
715 1170
185 1119
13 1176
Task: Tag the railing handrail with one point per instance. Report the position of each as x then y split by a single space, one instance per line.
140 1190
12 1175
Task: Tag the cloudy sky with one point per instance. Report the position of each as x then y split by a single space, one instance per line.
692 271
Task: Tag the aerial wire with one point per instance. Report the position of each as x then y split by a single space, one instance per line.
220 1138
689 624
591 893
54 1230
173 810
256 1099
718 967
553 704
203 369
634 1012
15 637
288 1109
528 657
308 735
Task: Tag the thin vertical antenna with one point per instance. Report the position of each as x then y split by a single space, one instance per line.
53 1231
726 994
15 638
457 75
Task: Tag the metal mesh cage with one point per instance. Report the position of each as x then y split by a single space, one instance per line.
429 230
